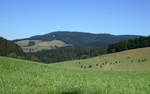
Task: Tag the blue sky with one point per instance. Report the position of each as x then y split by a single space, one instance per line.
25 18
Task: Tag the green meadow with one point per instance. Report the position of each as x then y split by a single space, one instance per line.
125 72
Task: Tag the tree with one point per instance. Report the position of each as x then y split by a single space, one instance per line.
129 44
10 48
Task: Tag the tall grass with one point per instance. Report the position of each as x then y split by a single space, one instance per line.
25 77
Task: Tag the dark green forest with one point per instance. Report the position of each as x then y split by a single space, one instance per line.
129 44
65 53
8 48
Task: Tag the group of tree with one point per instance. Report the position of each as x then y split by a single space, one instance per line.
129 44
64 53
8 48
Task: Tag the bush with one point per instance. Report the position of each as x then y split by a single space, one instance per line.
13 55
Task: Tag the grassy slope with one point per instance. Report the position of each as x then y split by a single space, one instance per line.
125 58
25 77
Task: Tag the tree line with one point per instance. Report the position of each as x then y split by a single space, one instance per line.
129 44
64 53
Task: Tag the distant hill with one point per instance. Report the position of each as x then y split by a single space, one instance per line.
39 45
8 48
80 39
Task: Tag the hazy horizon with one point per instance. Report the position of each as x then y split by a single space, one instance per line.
26 18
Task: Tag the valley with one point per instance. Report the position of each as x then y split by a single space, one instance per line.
74 46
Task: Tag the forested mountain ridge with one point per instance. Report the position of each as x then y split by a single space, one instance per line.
81 39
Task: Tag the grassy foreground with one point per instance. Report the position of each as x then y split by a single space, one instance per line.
25 77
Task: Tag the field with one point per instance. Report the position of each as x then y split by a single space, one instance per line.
130 76
136 59
40 45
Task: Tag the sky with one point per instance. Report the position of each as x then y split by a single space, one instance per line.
25 18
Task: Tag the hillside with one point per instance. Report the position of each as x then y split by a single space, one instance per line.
8 48
26 77
137 59
38 45
80 39
72 53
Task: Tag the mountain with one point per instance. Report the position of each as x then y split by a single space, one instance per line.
8 48
80 39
